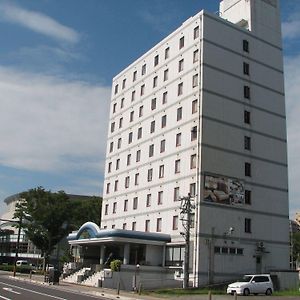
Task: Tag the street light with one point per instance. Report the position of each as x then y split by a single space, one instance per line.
18 241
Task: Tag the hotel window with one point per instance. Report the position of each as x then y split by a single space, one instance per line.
178 139
246 92
141 109
104 227
111 147
165 98
180 65
124 226
147 225
194 133
114 207
160 197
134 76
245 45
126 205
195 80
161 171
144 69
116 88
181 42
196 56
247 197
109 167
158 224
114 107
142 90
133 226
248 225
163 121
127 180
194 106
135 202
176 193
175 223
118 164
128 159
179 113
193 189
124 84
138 155
247 169
112 127
196 32
140 133
180 89
130 136
151 150
122 102
166 74
132 95
150 175
193 161
247 117
155 80
131 116
153 103
120 122
167 52
152 126
177 166
246 68
113 226
107 188
106 209
148 200
136 179
247 142
156 60
162 146
119 143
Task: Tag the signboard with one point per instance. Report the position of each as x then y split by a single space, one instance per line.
223 190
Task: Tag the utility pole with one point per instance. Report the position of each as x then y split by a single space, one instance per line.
187 208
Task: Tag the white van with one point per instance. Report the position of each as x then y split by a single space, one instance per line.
22 263
252 284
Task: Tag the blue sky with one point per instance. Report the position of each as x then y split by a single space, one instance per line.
57 60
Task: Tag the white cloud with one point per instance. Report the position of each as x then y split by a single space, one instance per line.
37 22
291 27
51 124
292 87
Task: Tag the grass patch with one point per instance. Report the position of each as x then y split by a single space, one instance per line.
287 293
182 292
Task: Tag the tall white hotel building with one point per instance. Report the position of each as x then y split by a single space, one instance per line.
203 112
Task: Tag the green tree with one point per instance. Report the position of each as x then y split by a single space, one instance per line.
46 218
86 210
296 246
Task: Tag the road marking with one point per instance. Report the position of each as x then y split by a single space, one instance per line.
4 298
31 291
11 290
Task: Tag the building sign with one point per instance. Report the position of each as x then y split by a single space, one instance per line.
223 190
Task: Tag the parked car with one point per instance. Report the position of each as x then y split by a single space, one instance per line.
252 284
22 263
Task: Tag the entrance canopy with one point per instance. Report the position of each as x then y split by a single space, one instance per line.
90 233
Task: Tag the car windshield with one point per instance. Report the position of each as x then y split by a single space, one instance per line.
245 279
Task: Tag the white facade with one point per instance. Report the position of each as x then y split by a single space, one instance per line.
219 134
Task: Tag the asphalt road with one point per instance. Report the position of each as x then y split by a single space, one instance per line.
19 290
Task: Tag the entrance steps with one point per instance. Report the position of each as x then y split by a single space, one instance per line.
78 276
93 280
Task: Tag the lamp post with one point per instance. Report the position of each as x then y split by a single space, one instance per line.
18 241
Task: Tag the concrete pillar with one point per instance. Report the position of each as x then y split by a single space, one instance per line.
164 256
102 254
126 254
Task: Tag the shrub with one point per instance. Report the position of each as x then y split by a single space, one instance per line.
115 265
